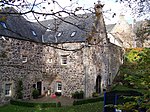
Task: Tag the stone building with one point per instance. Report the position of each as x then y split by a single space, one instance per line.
123 32
63 58
128 35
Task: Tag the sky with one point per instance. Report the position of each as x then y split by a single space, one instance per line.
112 5
115 7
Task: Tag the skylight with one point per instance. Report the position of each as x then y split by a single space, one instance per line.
34 33
59 34
48 28
73 34
3 24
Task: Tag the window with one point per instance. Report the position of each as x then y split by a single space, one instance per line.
47 70
59 34
49 60
24 59
2 37
73 34
8 89
64 59
48 28
34 33
3 24
59 86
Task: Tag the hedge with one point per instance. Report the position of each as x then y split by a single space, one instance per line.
32 104
126 93
85 101
78 95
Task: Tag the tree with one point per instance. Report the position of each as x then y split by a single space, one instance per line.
53 9
44 8
142 33
137 76
22 8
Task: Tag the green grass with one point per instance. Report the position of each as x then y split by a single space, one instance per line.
91 107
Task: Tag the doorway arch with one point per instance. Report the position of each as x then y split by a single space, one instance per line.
98 84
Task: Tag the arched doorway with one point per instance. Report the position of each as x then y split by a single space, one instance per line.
98 84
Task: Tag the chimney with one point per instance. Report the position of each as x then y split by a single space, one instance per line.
98 8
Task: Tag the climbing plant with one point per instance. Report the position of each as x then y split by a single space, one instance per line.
20 89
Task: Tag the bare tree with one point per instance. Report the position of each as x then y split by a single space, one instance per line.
52 9
140 8
44 9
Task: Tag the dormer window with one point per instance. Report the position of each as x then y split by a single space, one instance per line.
48 28
34 33
63 59
73 34
2 37
3 24
59 34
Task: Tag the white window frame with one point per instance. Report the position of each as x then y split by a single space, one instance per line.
59 34
49 60
59 87
73 33
34 33
48 28
8 91
64 60
3 24
24 59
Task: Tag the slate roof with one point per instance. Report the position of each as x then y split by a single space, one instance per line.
59 30
65 32
18 27
109 27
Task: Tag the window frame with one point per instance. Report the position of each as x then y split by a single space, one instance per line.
59 34
33 33
3 24
24 58
49 60
64 60
9 91
58 86
73 34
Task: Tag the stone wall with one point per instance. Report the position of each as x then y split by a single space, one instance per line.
32 63
22 61
115 60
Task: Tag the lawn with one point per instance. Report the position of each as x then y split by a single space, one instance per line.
91 107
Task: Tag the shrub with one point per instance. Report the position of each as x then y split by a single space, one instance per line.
81 95
78 95
94 94
31 104
59 104
58 93
85 101
35 93
19 90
